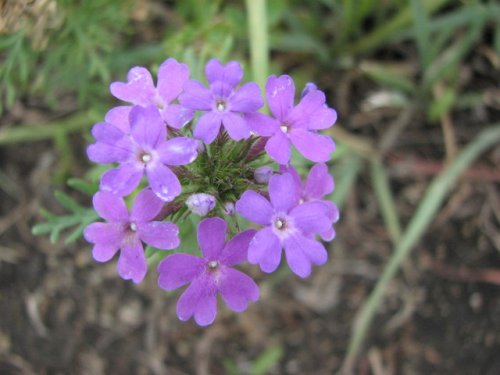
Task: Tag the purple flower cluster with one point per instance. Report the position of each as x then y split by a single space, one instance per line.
182 148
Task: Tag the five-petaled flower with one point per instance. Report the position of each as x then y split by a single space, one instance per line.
126 231
222 102
144 151
211 274
288 224
297 125
140 90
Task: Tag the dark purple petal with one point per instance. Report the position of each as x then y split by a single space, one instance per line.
178 151
199 299
208 127
110 207
323 118
176 116
265 250
147 127
301 115
104 252
312 146
146 206
247 98
212 237
310 217
254 207
280 93
231 73
163 181
262 124
238 290
236 126
138 90
196 96
119 117
319 182
278 148
283 192
301 252
179 269
236 250
159 234
107 234
132 263
171 78
122 180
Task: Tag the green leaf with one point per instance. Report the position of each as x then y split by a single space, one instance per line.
266 360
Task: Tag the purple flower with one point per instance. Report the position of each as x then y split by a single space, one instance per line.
126 232
263 174
287 224
145 150
140 90
297 125
210 274
222 102
201 203
319 183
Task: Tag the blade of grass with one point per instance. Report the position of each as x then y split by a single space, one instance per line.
428 207
421 30
385 200
345 176
259 43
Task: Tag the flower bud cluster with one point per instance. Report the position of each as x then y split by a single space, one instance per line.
181 147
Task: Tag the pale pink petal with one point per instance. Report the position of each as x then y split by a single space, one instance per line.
199 299
110 207
163 181
132 263
146 206
247 98
176 116
178 151
278 148
319 182
236 126
196 96
147 126
262 124
122 180
236 250
231 73
119 117
265 250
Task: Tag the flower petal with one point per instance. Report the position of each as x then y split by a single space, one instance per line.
247 98
178 151
160 234
122 180
212 237
319 182
254 207
312 146
196 96
238 290
265 250
280 93
262 124
106 132
147 127
119 117
104 252
106 234
132 263
236 250
146 206
176 116
110 207
310 217
106 153
199 299
138 90
177 270
323 118
328 235
283 192
171 78
236 126
278 148
309 105
230 74
163 181
301 252
208 127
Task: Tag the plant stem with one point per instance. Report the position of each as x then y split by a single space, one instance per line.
259 44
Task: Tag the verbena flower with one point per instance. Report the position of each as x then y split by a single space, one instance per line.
287 223
140 90
297 125
210 274
201 203
263 174
126 231
223 103
144 151
318 184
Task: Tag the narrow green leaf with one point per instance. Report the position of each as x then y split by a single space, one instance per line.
266 360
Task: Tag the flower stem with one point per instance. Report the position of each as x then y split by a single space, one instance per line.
259 44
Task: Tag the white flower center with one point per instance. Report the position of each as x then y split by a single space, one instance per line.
221 106
146 158
133 227
213 264
284 128
279 224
